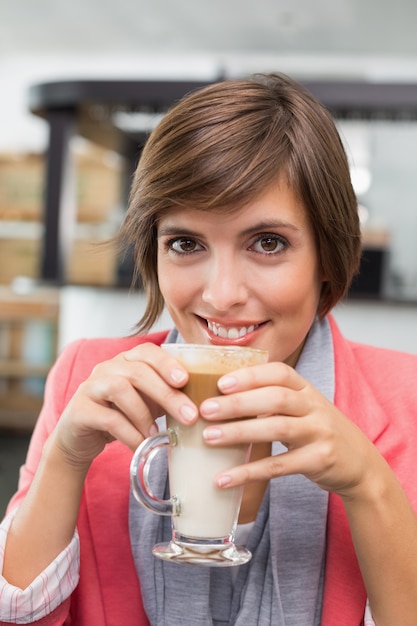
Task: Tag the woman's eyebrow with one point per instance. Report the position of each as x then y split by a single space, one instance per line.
269 225
169 230
265 225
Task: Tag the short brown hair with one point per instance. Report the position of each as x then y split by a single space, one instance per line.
220 147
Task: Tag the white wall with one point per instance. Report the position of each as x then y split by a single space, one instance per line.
380 324
95 312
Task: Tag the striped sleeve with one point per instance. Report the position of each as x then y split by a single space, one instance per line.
49 590
368 621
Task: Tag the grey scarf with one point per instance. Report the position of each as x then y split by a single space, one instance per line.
282 585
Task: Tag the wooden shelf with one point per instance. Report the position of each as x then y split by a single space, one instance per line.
13 368
19 411
19 401
42 303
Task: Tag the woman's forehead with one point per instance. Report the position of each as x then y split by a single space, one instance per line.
278 205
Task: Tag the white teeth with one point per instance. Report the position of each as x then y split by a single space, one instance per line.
230 333
222 332
234 333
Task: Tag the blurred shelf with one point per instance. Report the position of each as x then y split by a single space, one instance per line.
19 403
40 302
18 412
14 368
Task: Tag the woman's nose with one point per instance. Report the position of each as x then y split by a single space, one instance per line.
225 285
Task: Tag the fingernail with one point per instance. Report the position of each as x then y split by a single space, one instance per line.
178 376
188 412
212 433
209 407
224 480
227 383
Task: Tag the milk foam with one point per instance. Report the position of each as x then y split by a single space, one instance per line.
214 359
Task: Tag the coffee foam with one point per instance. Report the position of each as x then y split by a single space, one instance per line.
214 359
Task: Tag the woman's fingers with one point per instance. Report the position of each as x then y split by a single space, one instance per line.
319 446
156 377
319 438
276 428
257 402
272 388
299 461
165 365
121 400
264 375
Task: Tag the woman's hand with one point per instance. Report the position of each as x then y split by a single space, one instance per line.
121 400
330 450
322 443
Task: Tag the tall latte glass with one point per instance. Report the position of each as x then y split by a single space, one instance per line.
204 517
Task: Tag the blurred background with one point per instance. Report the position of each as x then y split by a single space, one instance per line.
82 83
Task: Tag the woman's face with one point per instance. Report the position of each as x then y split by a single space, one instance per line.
250 277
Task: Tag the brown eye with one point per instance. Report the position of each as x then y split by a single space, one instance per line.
270 244
184 245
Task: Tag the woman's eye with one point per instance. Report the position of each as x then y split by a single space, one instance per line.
269 244
183 245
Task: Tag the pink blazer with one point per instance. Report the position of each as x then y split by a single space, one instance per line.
375 388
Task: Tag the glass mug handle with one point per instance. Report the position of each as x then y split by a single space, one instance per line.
139 474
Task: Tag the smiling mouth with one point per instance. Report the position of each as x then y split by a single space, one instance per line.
232 332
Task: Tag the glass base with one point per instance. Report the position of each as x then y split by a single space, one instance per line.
226 555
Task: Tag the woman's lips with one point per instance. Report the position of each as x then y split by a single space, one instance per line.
237 333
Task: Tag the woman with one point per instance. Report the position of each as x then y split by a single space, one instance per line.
245 226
